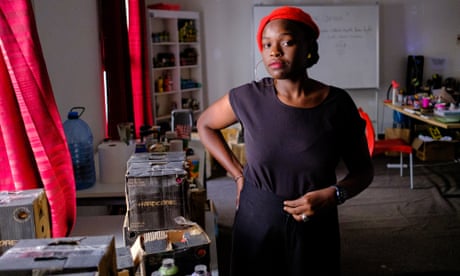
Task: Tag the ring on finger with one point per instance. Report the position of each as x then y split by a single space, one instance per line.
304 217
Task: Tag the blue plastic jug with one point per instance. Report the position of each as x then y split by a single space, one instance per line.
80 143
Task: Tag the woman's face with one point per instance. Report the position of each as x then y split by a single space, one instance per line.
284 49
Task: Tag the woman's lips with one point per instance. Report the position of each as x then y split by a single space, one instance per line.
276 65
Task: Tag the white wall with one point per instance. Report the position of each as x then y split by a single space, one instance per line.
407 27
69 36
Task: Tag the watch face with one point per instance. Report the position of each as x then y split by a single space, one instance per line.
341 194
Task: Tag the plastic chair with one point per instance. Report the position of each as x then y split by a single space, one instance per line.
381 146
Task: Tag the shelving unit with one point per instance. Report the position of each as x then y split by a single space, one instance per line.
175 62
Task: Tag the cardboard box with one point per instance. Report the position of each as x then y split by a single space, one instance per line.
434 150
212 230
130 236
240 152
156 158
6 244
24 215
155 195
197 203
188 247
125 264
79 274
61 255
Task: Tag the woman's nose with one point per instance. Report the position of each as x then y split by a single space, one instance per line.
275 52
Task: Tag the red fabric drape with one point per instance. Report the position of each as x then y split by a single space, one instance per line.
33 147
124 52
142 103
116 62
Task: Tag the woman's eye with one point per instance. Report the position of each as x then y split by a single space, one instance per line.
266 45
287 43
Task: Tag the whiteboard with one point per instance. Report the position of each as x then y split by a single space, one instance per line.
348 44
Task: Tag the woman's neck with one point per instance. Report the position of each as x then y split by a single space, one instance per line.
305 93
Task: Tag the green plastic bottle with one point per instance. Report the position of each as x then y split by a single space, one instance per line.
168 267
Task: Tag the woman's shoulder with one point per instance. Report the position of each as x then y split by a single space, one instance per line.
337 90
255 84
338 93
259 87
252 93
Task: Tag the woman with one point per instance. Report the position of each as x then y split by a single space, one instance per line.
296 131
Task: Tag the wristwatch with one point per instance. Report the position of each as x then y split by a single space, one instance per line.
341 194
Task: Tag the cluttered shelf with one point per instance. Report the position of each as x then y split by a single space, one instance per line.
429 118
432 138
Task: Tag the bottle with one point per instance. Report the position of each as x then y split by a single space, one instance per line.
167 83
201 270
394 92
160 84
80 143
168 267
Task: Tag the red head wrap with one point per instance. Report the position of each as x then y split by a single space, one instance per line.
290 13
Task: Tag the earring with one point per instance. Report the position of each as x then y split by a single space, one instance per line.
255 70
309 56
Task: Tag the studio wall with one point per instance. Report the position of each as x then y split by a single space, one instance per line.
68 33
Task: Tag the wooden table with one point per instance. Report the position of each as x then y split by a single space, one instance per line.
415 114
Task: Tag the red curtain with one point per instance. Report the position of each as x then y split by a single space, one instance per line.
115 59
125 63
140 79
33 147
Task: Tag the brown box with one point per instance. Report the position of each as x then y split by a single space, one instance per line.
188 247
61 255
155 195
129 235
197 202
212 229
198 205
156 158
240 152
125 264
434 150
24 215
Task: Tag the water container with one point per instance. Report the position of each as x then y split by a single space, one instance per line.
80 142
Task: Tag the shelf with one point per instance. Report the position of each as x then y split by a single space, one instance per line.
166 93
164 43
172 85
164 68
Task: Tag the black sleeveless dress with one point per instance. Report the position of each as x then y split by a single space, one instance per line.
289 151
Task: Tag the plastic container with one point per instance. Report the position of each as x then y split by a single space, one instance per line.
80 143
201 270
168 267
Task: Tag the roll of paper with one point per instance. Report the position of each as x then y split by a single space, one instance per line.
113 156
176 145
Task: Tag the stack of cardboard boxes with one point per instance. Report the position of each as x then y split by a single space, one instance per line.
24 215
27 247
157 223
160 222
58 256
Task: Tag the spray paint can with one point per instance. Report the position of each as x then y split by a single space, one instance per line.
394 92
